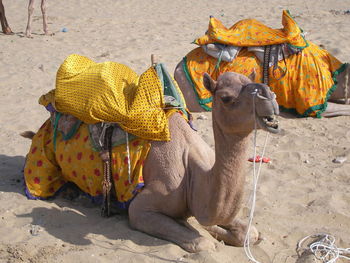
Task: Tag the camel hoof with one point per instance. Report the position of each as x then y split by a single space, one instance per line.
199 244
238 233
28 34
260 239
49 34
254 236
8 31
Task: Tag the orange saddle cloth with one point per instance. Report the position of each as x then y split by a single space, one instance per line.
303 82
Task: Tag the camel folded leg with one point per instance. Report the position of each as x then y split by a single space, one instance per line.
143 218
335 109
233 234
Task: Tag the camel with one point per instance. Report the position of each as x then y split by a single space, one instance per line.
185 177
335 104
306 78
4 25
30 16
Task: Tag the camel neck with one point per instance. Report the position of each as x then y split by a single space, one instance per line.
228 173
230 152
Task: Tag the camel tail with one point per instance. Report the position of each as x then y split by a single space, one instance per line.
27 134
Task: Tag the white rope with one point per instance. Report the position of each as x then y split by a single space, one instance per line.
346 84
324 248
255 185
128 154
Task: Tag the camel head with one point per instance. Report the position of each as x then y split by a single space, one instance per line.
238 103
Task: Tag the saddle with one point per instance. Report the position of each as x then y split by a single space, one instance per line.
117 105
301 73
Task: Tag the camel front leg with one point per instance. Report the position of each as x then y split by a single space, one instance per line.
144 218
43 10
234 234
30 16
4 25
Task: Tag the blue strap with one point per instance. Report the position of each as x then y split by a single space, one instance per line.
57 118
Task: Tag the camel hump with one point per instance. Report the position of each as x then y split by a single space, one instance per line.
27 134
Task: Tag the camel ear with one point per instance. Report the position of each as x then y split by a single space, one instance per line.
209 83
252 75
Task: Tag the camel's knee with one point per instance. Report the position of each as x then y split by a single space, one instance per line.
43 9
206 220
136 215
30 10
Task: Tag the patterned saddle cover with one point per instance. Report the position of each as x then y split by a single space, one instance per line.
67 147
303 81
112 92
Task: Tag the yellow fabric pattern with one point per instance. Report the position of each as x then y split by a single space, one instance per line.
46 170
112 92
250 32
304 88
307 84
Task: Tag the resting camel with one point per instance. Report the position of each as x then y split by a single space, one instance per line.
307 79
4 25
185 177
334 108
30 18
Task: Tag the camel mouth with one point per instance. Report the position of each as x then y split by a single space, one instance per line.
269 123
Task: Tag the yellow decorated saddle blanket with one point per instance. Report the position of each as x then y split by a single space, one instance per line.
48 169
49 166
88 97
111 92
250 32
303 82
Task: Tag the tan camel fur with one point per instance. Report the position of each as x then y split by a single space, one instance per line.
333 109
30 18
4 25
185 177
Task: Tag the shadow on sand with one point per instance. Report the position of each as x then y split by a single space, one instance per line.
77 221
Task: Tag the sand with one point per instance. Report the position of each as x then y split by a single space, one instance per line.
301 192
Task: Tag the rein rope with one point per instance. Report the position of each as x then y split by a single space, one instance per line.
256 174
324 248
346 85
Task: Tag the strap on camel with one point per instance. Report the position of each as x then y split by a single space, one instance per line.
267 59
266 63
106 154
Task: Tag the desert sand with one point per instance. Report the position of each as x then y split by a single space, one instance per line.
301 192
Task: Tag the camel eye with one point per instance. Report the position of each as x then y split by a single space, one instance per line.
227 99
